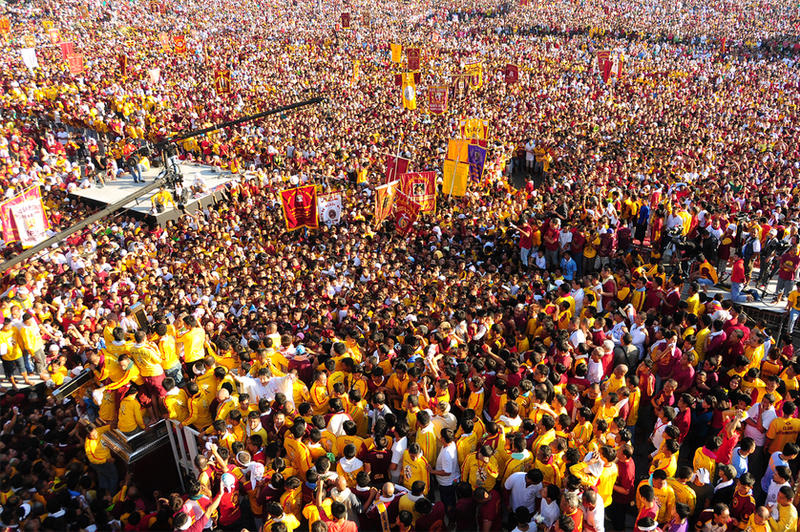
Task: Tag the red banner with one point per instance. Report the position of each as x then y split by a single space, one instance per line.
345 20
300 207
604 64
512 73
413 56
26 208
67 49
75 64
222 81
122 61
420 187
395 166
406 211
180 44
437 99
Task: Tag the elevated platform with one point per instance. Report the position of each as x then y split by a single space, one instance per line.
216 183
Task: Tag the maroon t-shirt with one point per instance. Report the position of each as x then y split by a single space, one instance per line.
626 478
426 522
490 511
379 462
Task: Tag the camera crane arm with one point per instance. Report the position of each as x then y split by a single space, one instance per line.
160 146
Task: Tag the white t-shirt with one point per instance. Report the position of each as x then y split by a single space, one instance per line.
448 461
520 494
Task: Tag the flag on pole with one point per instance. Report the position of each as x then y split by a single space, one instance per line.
454 178
406 211
24 219
420 187
29 58
395 165
356 72
329 207
474 72
67 49
476 155
5 25
475 129
180 43
222 81
384 200
511 73
155 75
75 62
300 207
604 64
55 37
397 53
413 58
409 92
163 38
457 149
345 21
437 99
122 61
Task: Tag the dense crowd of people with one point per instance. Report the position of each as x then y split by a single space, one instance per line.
568 353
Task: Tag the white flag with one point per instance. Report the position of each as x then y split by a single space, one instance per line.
155 75
330 208
29 58
30 221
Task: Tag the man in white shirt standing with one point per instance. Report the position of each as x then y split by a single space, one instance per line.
523 489
447 470
755 426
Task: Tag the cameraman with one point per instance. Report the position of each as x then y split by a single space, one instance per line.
771 247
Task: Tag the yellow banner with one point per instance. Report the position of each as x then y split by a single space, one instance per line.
409 92
455 178
457 149
397 53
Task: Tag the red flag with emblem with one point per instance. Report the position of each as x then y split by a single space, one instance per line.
413 58
406 211
75 64
345 21
512 73
300 207
180 44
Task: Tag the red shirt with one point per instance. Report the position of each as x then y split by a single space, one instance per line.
737 276
626 478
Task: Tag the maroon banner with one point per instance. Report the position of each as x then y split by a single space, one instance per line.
604 64
512 73
406 211
437 99
300 207
222 81
420 187
345 21
413 57
395 166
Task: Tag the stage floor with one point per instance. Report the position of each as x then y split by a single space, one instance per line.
215 181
